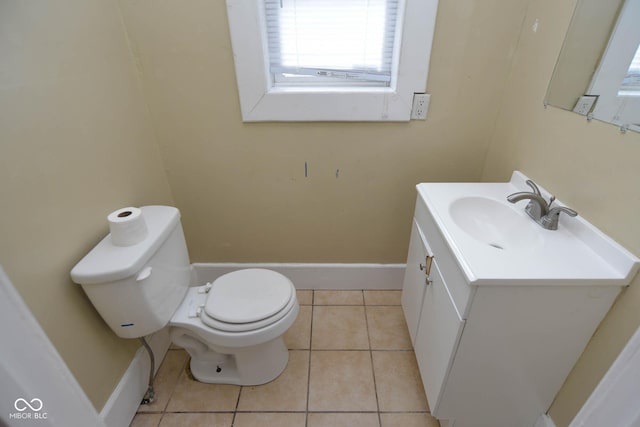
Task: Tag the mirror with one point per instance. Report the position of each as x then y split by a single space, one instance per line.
598 69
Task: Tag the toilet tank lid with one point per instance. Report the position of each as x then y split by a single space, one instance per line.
107 262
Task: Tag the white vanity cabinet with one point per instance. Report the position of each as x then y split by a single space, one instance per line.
491 353
433 320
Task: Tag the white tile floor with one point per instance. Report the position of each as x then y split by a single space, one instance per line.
350 365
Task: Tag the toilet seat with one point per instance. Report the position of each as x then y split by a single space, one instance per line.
245 327
248 299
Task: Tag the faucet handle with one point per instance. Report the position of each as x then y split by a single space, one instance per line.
533 186
550 221
558 209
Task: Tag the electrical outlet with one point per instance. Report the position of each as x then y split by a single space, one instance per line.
585 104
420 106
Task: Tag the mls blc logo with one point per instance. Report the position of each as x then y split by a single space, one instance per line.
28 409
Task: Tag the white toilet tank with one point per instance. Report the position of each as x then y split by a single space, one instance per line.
136 289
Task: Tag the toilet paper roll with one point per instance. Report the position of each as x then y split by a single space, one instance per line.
127 226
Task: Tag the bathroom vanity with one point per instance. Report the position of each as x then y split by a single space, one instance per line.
498 308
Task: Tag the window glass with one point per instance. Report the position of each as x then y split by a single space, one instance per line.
334 40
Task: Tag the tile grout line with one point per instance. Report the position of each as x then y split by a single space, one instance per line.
306 414
183 368
373 370
235 412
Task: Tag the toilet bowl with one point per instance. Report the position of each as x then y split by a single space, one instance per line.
247 347
232 328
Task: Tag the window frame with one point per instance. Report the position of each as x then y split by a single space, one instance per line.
262 100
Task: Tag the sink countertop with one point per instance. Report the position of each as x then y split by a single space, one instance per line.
577 253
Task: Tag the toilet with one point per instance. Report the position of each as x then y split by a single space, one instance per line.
232 327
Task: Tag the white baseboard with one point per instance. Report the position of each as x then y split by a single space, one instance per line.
317 276
126 397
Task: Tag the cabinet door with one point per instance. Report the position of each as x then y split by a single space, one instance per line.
414 281
439 330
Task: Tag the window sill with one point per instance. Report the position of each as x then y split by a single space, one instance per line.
329 104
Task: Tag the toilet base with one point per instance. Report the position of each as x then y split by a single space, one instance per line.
247 366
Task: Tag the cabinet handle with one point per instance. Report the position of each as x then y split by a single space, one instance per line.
426 267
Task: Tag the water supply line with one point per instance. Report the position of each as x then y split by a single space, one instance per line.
150 396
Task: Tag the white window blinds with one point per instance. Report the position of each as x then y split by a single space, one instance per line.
351 40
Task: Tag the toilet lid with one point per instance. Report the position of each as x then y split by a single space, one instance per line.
247 296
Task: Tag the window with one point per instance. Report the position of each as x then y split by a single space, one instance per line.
338 60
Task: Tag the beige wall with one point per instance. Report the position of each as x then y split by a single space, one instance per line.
75 144
241 187
590 166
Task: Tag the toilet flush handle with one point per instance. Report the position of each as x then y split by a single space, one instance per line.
144 274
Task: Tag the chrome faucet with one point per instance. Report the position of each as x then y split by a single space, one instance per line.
538 208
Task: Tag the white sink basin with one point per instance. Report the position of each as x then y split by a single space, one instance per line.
495 242
494 223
